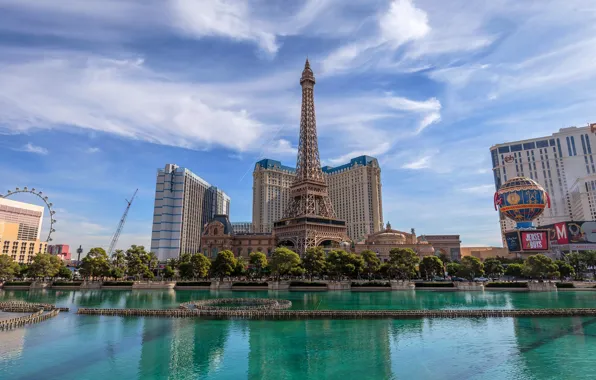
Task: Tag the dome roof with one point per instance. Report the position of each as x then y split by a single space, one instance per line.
521 183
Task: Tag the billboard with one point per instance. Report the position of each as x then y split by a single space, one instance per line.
572 233
536 240
512 239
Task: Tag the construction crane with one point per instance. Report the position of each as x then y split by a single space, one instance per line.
121 225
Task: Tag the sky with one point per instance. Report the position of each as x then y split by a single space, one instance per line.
96 95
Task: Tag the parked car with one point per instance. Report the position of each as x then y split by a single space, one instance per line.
481 279
458 279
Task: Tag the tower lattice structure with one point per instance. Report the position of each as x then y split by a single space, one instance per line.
309 219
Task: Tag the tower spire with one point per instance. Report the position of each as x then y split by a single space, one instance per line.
308 163
309 218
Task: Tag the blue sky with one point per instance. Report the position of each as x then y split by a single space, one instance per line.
96 95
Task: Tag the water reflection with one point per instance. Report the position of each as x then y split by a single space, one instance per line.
75 347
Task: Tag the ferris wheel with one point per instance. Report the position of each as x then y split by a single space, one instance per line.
45 200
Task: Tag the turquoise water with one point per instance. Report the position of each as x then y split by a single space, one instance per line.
99 348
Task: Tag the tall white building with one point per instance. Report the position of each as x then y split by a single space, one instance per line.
354 189
184 203
562 163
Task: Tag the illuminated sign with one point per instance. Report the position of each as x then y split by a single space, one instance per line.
534 240
561 233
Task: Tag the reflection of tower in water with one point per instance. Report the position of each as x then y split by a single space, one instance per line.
181 348
319 349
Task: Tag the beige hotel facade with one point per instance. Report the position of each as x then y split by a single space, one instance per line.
354 189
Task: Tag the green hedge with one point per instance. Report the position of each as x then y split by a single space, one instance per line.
506 285
194 283
308 283
565 285
375 284
117 283
17 283
249 284
434 284
66 283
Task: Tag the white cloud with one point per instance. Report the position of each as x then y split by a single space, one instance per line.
397 102
280 147
93 150
429 119
225 18
419 163
30 148
483 190
403 22
123 98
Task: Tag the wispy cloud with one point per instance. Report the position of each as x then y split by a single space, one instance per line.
30 148
483 190
419 163
93 150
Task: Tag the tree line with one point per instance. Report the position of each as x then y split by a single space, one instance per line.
403 264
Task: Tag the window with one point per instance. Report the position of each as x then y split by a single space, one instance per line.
528 146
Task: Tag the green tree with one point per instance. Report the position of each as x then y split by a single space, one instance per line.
493 268
119 259
139 263
258 263
152 261
23 271
540 266
8 267
199 266
282 261
515 270
565 270
64 272
168 272
470 268
372 264
314 261
224 264
402 263
340 263
116 273
577 261
590 260
96 263
241 267
453 269
431 266
45 265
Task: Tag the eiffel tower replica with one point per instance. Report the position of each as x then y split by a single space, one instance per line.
309 219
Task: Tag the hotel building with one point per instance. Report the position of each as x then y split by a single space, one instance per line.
354 189
20 228
563 163
184 203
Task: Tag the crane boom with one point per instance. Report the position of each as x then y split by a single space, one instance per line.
121 225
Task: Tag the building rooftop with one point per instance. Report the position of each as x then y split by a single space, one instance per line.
274 164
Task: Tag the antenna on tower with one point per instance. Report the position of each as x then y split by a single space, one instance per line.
121 224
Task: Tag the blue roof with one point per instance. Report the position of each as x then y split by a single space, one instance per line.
274 164
361 160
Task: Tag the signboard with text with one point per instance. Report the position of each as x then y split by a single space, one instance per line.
536 240
512 239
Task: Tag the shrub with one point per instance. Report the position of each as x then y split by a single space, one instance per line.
506 285
117 283
194 283
17 283
67 283
565 285
371 284
434 284
249 284
308 283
